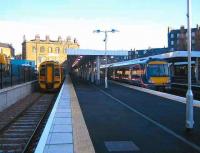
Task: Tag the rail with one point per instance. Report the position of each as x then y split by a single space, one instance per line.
31 139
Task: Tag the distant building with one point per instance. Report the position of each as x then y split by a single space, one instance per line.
42 50
177 39
19 56
7 49
132 54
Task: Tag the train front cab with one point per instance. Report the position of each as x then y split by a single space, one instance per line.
50 77
158 75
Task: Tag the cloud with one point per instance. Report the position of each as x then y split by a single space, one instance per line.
131 35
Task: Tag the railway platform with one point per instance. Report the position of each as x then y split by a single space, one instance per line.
65 131
123 119
128 119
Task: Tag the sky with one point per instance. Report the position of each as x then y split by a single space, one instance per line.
141 23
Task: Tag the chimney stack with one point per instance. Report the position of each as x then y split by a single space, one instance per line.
182 28
47 38
75 41
68 38
59 38
37 37
24 38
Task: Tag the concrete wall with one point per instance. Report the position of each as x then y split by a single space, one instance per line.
11 95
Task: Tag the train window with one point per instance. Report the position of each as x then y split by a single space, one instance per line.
42 72
158 70
119 72
136 73
127 72
57 72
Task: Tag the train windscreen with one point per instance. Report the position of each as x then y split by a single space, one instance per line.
42 71
158 70
57 72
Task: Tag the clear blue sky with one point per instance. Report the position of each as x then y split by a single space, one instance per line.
169 12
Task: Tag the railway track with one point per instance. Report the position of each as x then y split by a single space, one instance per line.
18 135
181 89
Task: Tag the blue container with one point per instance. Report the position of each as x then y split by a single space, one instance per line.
18 65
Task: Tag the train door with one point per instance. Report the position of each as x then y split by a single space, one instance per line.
49 75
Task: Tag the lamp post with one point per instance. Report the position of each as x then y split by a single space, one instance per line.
189 94
36 50
106 58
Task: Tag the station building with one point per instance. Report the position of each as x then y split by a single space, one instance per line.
42 50
7 49
133 54
177 39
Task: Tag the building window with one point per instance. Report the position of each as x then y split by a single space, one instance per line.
50 50
172 35
177 41
193 41
42 49
172 42
33 50
193 34
57 50
178 35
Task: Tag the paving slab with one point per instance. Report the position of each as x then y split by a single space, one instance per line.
60 138
61 148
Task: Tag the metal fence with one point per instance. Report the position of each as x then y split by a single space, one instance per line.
11 74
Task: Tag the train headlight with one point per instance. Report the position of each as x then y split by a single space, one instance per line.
169 80
150 81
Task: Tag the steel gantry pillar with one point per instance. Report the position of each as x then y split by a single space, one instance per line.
197 70
98 70
92 73
88 72
82 72
85 72
189 95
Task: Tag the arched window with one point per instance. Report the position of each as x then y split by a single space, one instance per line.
42 49
57 50
33 49
50 49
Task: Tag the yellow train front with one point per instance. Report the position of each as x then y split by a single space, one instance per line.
157 74
50 76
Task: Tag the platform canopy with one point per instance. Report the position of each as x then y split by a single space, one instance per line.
97 52
177 54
